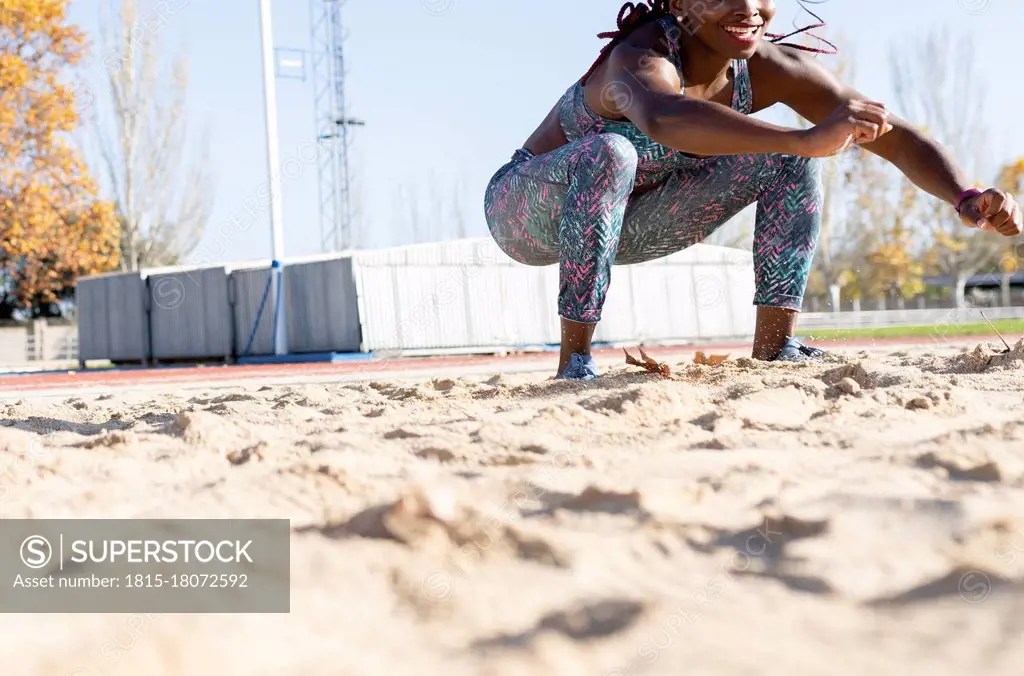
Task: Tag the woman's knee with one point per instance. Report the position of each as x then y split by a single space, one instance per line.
611 154
802 169
795 172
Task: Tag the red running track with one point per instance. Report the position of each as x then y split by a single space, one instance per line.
195 375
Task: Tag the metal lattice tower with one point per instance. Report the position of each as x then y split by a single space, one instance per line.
332 125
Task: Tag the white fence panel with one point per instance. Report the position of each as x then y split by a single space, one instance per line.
881 318
190 314
113 321
321 311
14 345
469 294
246 291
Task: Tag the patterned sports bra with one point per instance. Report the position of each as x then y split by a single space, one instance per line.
578 120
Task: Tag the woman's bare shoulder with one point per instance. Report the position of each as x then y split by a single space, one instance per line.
777 71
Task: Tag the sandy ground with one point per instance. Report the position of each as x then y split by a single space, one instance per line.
862 516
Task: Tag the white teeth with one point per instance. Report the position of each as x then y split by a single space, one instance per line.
741 31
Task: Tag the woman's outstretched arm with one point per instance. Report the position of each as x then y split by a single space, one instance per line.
801 83
646 90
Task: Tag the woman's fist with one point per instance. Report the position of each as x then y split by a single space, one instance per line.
992 210
853 122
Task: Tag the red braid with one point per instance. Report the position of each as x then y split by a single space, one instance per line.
633 15
777 39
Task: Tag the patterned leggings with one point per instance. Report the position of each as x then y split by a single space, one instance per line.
573 206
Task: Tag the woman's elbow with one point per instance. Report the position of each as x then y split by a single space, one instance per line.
663 120
654 124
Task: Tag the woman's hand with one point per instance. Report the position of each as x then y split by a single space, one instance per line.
992 210
853 122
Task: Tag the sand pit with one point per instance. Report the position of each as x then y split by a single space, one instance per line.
862 516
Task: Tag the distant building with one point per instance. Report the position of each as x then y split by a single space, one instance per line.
983 287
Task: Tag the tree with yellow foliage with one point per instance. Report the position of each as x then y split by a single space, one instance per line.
879 253
53 228
929 75
1011 179
866 213
866 247
897 271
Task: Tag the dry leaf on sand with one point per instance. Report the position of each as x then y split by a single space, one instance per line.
648 363
709 359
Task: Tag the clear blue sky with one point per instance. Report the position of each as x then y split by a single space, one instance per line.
449 88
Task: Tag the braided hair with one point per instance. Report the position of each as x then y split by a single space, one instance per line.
633 15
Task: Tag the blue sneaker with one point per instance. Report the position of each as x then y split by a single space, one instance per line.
795 351
581 367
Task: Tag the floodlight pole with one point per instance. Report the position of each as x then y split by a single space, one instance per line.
273 162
